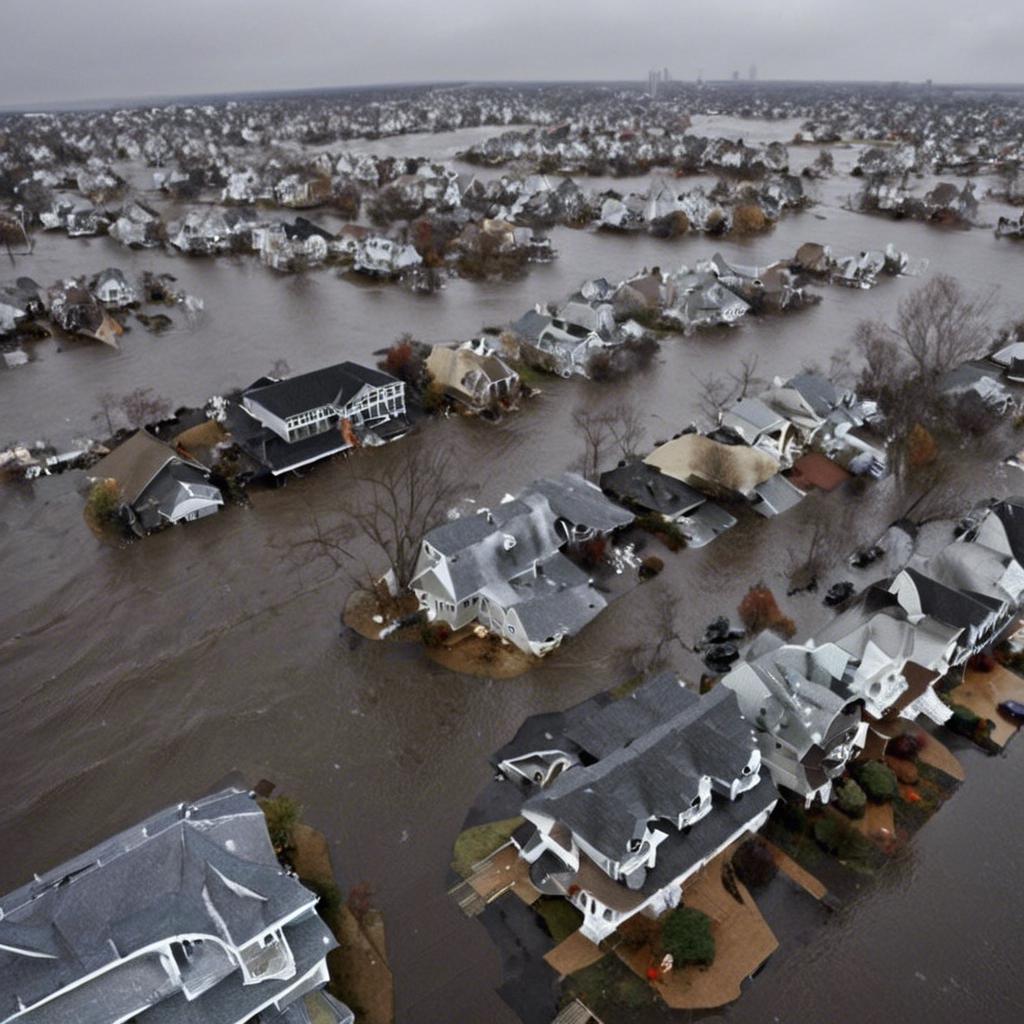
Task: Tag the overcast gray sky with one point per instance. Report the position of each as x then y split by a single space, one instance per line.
84 49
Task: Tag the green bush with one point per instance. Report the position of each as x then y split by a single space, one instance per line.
835 835
878 781
977 729
282 814
851 799
686 934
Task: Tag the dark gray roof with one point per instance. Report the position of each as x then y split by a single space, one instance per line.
1010 512
950 606
819 392
618 723
655 776
529 326
332 385
580 503
646 487
201 869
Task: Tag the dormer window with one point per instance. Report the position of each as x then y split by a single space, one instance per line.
508 542
634 845
695 802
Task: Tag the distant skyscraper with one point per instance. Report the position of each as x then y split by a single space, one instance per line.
665 76
753 72
735 76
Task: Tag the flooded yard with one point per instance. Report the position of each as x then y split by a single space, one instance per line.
136 675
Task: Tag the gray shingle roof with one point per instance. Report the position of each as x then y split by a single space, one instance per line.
331 385
205 869
655 775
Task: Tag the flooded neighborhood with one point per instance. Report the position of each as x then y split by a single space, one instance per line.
548 551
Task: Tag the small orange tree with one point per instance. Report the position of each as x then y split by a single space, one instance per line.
759 611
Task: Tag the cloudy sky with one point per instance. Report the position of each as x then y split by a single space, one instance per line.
55 50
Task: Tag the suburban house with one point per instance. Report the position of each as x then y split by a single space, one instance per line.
187 916
475 380
504 567
893 661
726 471
381 257
967 586
643 487
112 288
560 346
630 798
287 424
158 485
701 300
648 491
808 728
761 427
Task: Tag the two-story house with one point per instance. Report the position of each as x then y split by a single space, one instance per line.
293 422
808 728
504 567
632 797
187 916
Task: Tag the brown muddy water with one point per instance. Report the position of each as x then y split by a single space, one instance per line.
138 675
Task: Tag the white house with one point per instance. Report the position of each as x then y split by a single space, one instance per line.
504 567
634 796
186 916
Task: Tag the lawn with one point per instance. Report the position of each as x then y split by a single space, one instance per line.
480 842
560 917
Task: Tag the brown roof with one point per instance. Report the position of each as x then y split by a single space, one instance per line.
135 463
697 461
815 470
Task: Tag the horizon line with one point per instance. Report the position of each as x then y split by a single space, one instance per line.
67 105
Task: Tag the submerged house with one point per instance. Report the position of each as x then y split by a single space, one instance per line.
559 346
287 424
727 471
112 288
158 486
630 798
187 916
504 567
475 380
808 726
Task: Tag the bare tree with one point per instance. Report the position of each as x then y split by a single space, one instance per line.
828 538
393 503
280 369
718 391
109 404
12 232
939 326
141 407
647 656
618 431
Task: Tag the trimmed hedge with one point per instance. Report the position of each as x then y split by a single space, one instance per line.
878 781
686 934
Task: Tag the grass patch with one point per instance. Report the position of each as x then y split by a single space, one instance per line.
609 987
561 918
481 841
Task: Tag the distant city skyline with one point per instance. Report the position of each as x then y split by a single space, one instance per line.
57 52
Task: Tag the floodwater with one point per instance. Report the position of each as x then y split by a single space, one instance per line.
136 676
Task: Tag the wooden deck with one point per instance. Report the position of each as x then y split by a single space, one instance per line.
573 954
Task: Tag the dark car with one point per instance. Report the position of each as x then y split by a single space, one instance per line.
1013 709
